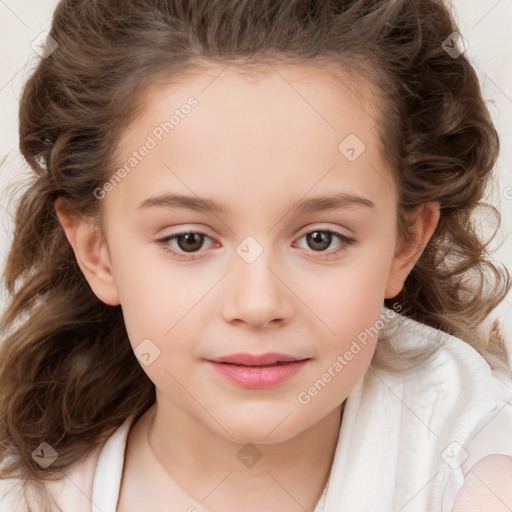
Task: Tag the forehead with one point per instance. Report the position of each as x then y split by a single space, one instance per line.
286 127
307 87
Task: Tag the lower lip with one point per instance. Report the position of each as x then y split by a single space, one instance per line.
258 377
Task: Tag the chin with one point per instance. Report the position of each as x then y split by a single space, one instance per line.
259 431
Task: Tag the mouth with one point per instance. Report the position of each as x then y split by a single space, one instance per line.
258 371
269 359
277 363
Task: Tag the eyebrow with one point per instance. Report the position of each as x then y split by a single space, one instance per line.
313 204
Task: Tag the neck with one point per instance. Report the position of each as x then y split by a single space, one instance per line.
288 475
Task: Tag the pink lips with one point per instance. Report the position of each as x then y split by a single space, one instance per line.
258 371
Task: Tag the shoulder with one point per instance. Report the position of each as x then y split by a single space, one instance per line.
10 495
488 468
13 491
74 490
487 486
70 490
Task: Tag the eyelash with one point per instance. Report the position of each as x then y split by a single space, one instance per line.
164 243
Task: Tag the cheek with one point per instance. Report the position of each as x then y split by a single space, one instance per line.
351 294
159 308
349 305
140 300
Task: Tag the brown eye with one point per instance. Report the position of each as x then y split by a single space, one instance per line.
181 244
319 240
190 242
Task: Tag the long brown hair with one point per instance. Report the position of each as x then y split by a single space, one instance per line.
68 375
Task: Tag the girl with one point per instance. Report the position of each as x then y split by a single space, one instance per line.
321 344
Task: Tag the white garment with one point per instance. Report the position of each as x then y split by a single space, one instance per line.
406 441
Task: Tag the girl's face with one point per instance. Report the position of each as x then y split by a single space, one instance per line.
284 177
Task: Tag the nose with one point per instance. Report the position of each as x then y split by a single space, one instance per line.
257 293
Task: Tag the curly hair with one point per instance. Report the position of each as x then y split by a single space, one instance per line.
436 134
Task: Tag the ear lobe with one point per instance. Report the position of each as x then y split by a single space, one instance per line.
91 252
425 219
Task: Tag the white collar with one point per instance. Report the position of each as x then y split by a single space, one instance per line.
109 470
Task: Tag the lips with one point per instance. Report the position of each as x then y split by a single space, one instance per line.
269 359
258 371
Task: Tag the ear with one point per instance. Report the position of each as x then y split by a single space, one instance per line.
424 221
91 252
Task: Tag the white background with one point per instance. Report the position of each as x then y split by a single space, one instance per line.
485 24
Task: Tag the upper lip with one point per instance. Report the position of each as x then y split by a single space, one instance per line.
256 359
